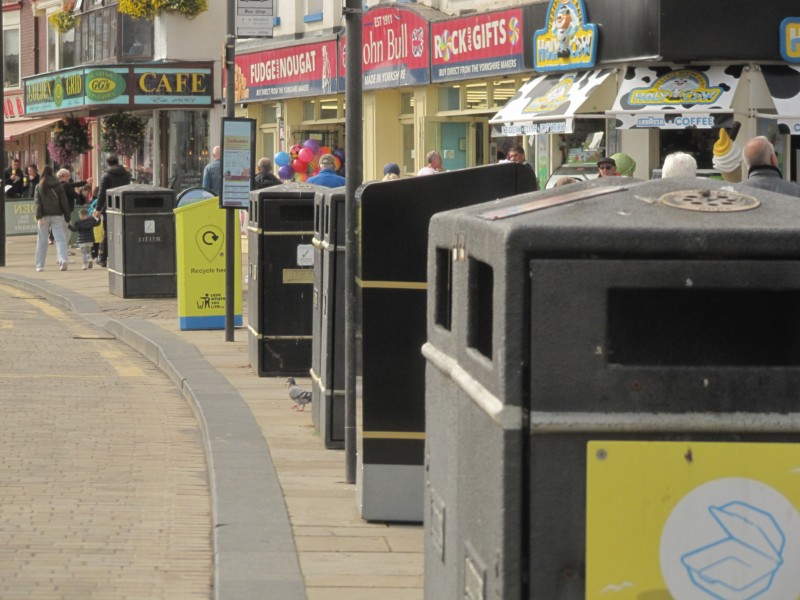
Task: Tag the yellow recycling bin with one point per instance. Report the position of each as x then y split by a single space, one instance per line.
200 239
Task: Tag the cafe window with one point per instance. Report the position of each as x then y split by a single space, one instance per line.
11 57
60 49
103 34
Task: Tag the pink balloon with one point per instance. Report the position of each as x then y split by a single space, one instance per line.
306 155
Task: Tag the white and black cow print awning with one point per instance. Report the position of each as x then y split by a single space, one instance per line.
669 97
783 83
549 103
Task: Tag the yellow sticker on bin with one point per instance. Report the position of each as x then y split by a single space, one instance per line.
692 520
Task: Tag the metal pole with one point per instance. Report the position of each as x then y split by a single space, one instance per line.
231 239
354 172
2 151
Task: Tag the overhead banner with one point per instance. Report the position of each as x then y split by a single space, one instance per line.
288 72
477 46
57 91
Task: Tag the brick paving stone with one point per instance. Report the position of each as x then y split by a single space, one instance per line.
104 480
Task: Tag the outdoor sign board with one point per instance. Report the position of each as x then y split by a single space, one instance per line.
20 216
480 45
254 18
394 48
790 39
568 41
287 72
167 84
238 162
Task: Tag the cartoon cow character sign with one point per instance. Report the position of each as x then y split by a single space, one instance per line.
565 25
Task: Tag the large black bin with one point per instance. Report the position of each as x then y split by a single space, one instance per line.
392 283
327 344
141 241
602 324
280 279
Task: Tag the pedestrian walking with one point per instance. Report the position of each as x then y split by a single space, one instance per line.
84 226
52 210
115 176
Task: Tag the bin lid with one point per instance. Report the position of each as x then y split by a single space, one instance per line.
287 190
142 188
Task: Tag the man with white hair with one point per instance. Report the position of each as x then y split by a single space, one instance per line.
761 163
679 164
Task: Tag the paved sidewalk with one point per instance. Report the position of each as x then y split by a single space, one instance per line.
286 526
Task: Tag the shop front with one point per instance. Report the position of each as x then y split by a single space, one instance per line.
680 79
172 100
296 94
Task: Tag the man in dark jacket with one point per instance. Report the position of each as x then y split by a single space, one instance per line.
265 177
762 168
114 177
13 177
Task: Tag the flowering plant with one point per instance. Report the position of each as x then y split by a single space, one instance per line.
123 134
70 139
63 20
148 9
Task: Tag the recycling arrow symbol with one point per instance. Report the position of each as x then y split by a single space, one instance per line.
210 240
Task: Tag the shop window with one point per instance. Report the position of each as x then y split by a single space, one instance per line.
188 147
450 98
61 49
502 91
407 103
476 96
137 38
328 108
11 57
309 110
269 114
408 148
313 11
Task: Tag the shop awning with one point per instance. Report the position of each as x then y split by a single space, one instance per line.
550 103
783 83
16 129
677 97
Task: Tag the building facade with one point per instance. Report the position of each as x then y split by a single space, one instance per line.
438 74
160 70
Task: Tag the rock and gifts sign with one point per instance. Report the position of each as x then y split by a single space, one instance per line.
477 46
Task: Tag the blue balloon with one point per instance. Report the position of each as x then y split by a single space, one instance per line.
282 159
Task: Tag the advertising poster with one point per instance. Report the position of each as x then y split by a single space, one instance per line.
238 150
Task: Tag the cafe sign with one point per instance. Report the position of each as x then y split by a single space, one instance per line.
167 84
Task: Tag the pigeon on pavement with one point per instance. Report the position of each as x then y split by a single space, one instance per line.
299 396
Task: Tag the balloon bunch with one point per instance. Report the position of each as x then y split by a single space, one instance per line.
301 162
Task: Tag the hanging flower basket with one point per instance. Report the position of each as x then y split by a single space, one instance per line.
123 134
149 9
70 139
64 20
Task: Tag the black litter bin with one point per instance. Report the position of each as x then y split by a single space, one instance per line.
582 319
327 344
280 279
392 283
141 241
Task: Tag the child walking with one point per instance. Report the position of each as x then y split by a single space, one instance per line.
85 228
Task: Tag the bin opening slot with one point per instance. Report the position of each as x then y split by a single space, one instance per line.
703 327
302 213
444 288
148 202
480 303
